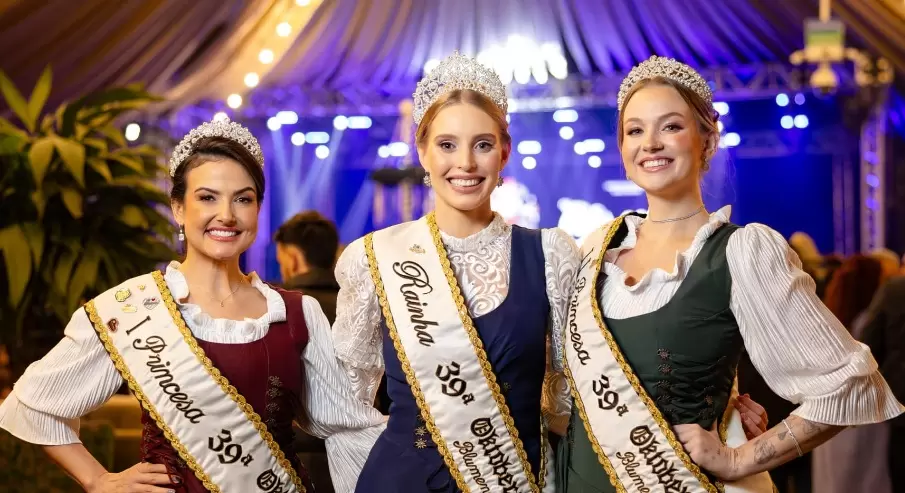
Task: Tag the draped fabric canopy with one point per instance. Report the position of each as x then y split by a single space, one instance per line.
196 51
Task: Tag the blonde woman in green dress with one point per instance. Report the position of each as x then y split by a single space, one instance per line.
665 303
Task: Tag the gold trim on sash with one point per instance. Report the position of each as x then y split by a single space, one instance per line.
224 384
489 375
636 385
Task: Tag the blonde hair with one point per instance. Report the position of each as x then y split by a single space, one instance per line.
460 96
704 114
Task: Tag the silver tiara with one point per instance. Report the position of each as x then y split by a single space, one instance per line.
218 128
458 72
657 66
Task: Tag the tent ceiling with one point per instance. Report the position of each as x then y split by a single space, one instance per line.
194 51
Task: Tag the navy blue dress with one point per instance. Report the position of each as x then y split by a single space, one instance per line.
514 337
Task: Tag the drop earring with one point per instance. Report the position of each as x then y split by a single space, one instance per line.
499 181
427 180
181 233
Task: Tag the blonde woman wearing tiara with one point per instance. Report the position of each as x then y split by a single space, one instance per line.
221 362
663 307
456 308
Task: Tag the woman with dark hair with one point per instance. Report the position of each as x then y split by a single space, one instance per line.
221 362
849 462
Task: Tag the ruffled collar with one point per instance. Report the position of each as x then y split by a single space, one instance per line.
683 259
496 230
221 330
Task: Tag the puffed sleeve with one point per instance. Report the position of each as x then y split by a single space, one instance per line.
356 331
803 352
334 413
73 379
561 260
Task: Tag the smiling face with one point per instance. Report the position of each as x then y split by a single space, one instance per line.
219 211
666 139
463 147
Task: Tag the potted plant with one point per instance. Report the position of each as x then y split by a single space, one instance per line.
81 210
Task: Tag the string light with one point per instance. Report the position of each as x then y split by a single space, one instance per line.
133 130
273 48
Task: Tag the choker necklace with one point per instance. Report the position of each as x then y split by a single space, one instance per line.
674 219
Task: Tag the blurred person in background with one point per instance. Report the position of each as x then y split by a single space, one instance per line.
884 333
812 261
307 246
889 261
849 463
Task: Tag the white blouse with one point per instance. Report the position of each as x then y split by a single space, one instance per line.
800 349
77 376
481 265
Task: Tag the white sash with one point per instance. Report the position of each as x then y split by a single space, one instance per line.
445 363
633 442
214 430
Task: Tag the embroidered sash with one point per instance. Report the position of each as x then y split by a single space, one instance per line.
212 427
445 364
633 442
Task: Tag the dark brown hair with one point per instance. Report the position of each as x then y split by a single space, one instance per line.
852 288
704 113
215 149
314 235
471 97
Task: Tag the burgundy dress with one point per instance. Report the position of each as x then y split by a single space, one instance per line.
268 373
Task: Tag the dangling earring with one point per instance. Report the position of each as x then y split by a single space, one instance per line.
499 181
427 180
181 233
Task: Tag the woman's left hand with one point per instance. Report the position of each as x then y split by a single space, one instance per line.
708 452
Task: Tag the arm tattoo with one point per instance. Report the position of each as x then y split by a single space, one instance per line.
783 434
813 427
764 451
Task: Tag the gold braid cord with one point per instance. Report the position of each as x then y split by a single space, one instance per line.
489 375
636 385
536 486
604 460
211 370
407 367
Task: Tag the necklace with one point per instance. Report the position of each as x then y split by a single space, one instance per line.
674 219
227 296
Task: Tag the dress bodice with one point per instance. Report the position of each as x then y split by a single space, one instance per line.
268 373
685 354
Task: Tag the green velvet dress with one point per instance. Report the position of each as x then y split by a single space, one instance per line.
685 354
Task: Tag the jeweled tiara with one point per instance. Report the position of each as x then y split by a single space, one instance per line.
657 66
458 72
218 128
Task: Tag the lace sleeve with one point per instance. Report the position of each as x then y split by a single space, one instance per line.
562 258
356 332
